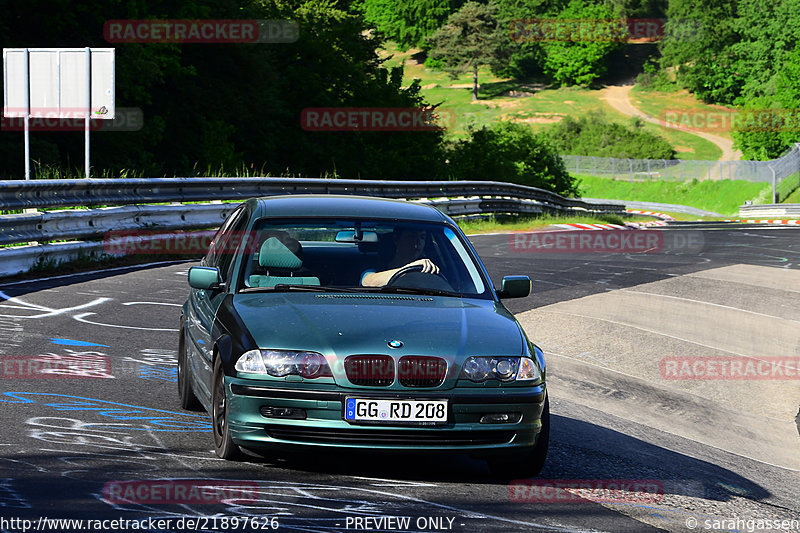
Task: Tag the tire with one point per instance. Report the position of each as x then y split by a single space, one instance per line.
528 463
187 398
224 446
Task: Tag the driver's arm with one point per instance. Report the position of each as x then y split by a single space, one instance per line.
379 279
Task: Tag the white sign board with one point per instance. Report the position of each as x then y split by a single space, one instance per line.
58 79
58 83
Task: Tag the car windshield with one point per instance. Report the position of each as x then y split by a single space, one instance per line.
363 255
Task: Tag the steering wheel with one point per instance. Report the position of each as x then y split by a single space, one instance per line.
417 269
402 272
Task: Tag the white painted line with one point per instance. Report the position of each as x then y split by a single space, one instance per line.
82 318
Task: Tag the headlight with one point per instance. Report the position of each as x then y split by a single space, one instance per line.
479 369
476 369
280 363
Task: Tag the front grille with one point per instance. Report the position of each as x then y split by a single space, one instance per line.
413 437
370 370
421 371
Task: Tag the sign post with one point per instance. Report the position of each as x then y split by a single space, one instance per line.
58 83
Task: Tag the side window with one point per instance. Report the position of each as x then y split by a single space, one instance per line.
231 242
214 255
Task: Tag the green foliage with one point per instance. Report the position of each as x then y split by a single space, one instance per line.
406 22
731 51
225 106
580 62
471 37
654 79
699 39
768 139
510 152
594 135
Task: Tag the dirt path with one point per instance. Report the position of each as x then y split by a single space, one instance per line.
618 97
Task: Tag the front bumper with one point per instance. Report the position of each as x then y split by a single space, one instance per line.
324 425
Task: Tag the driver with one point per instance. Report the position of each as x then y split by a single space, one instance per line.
409 245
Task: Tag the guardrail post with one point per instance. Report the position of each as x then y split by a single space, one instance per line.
774 186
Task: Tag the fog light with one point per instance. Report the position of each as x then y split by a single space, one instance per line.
283 412
501 418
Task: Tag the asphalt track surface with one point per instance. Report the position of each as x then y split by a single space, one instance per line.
720 451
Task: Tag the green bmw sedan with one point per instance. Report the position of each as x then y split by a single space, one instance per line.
320 321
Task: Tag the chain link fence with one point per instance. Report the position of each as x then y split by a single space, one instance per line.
774 171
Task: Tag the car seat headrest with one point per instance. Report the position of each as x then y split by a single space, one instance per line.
275 253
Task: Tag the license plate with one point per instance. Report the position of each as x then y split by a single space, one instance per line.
396 411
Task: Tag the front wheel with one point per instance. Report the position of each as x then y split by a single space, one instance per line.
224 446
530 462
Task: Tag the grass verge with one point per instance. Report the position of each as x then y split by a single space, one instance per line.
502 224
723 196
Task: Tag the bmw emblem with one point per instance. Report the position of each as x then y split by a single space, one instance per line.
395 344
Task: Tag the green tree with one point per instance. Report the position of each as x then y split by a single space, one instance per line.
699 42
578 58
510 152
471 37
406 22
771 124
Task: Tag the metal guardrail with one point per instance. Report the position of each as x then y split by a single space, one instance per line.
19 194
769 211
454 198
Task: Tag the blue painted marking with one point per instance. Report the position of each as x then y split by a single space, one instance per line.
119 415
70 342
164 373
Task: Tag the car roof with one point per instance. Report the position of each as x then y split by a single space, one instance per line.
329 205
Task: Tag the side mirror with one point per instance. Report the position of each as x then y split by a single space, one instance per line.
515 287
204 278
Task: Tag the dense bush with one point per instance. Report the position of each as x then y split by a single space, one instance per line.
595 135
513 153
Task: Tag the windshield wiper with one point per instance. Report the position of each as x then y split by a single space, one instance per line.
415 290
286 287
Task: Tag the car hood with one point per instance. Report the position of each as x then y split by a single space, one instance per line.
338 324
